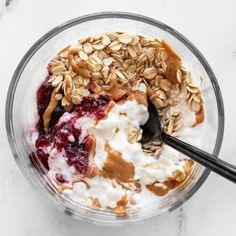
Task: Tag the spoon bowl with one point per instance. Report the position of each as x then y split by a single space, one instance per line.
152 130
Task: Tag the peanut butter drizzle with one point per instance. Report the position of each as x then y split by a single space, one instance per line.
116 167
140 97
48 112
93 170
80 67
122 185
173 62
188 166
134 183
161 189
123 114
110 106
68 83
117 130
151 94
95 203
63 187
82 181
200 116
158 189
171 52
173 182
121 209
94 87
117 91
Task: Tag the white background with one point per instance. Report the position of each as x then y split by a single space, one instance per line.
211 26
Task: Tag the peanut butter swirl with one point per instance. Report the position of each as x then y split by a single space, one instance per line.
116 167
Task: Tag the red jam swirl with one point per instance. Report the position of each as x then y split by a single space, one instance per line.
65 136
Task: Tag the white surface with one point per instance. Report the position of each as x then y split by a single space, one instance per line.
211 26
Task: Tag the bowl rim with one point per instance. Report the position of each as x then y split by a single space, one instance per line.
121 15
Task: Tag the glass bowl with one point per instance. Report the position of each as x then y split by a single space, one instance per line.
21 109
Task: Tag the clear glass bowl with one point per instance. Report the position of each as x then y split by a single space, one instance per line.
21 110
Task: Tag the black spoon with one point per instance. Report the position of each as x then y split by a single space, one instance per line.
152 131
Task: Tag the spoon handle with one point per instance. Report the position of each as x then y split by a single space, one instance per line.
209 161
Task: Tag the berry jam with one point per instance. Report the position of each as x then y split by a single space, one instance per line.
61 178
64 136
93 106
43 99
